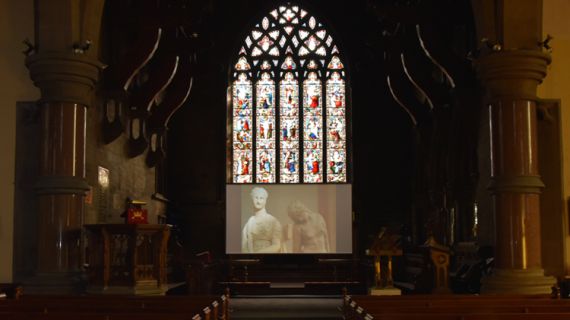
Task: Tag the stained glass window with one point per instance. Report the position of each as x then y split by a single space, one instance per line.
289 106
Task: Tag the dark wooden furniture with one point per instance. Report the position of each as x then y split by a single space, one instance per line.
292 274
109 307
127 258
456 307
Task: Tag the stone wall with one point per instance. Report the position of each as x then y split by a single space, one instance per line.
16 24
128 177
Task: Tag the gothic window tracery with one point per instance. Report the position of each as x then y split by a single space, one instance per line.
289 110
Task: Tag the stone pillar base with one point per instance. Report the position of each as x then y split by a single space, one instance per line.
55 283
517 282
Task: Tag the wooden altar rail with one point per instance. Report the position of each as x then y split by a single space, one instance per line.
456 307
116 308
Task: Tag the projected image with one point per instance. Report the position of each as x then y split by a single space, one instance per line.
263 232
288 219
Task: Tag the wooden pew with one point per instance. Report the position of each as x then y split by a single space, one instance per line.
116 307
455 307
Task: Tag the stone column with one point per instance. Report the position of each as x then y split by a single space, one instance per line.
511 78
66 82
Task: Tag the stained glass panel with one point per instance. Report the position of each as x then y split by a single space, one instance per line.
312 128
274 14
242 64
296 139
312 43
265 23
256 34
242 130
312 65
274 34
274 52
265 43
289 134
289 15
336 129
295 42
288 64
256 52
335 63
265 65
312 22
265 136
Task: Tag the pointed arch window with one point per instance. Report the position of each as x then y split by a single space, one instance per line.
288 103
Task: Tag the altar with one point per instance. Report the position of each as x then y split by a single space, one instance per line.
127 258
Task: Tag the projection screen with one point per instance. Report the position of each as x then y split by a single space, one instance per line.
288 219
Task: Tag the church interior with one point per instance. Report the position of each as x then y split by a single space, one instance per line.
129 159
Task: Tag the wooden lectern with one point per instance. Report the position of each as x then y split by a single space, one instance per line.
385 244
127 258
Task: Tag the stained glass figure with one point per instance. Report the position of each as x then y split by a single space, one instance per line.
288 64
289 134
312 126
335 63
282 132
265 65
336 129
265 137
242 133
242 64
312 65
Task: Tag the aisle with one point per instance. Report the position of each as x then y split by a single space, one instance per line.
286 307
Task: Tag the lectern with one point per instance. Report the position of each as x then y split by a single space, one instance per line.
127 258
386 244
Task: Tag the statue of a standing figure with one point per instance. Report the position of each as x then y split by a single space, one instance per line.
262 233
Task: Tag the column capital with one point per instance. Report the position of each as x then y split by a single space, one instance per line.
512 74
64 77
